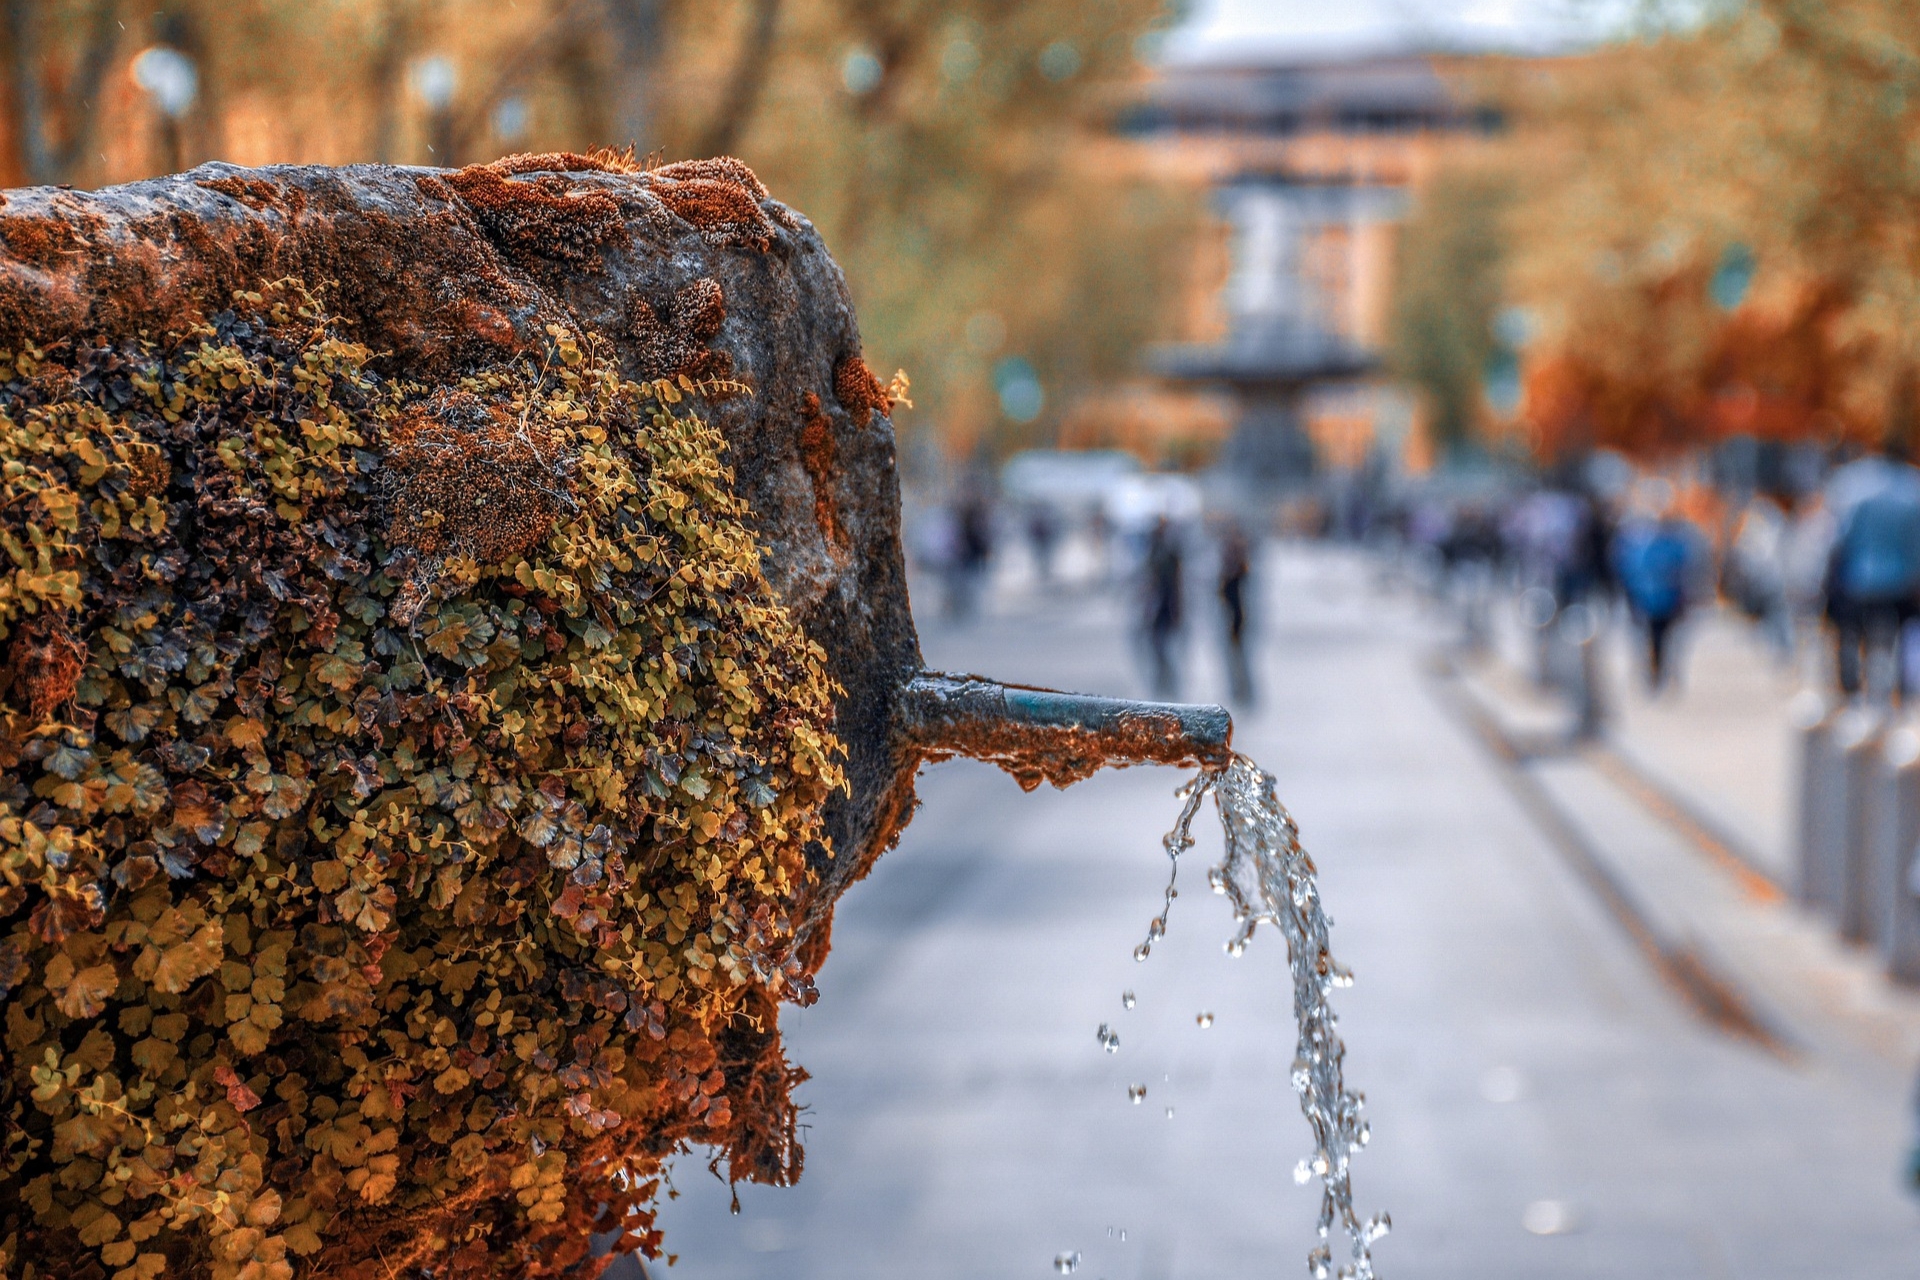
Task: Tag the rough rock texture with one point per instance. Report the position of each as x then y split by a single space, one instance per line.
690 269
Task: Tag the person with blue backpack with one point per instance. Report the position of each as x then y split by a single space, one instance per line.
1656 561
1873 575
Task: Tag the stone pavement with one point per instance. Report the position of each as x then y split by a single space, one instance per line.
1719 735
1516 1048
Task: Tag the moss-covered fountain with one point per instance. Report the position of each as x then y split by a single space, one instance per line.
456 654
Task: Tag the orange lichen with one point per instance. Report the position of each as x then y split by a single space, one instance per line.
466 479
720 197
858 391
44 241
543 216
44 663
764 1146
410 280
255 193
673 340
817 456
715 169
148 471
597 160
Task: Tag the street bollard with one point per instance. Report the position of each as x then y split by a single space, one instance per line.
1580 628
1896 919
1857 742
1538 609
1474 581
1817 885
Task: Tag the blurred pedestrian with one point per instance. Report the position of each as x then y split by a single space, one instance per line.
1655 560
1161 598
1043 532
1755 578
1874 573
972 553
1236 574
1806 551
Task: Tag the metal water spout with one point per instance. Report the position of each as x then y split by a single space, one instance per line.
1042 735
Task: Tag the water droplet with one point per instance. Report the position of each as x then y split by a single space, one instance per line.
1320 1263
1377 1226
1137 1093
1156 928
1142 951
1067 1263
1236 948
734 1208
1169 1113
1363 1135
1342 978
1126 999
1108 1039
1302 1173
1123 1235
1204 1019
1217 880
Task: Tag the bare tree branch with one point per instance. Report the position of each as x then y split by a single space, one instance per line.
570 20
384 77
44 160
743 87
82 109
28 92
638 32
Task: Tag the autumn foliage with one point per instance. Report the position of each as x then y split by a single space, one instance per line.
405 791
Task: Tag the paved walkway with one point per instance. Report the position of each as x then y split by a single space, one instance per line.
1720 735
1515 1047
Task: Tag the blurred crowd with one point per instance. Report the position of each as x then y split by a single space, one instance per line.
1823 556
1098 526
1824 561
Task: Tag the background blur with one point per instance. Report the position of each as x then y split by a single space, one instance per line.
1505 405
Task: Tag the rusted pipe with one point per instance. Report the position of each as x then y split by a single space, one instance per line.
1042 735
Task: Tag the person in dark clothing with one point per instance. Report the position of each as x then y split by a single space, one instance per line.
1236 574
1043 531
1162 613
973 551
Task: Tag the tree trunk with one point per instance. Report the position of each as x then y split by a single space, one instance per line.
744 85
637 31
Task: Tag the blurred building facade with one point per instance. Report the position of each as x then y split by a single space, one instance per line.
1314 164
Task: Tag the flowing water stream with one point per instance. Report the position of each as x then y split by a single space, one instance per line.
1269 879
